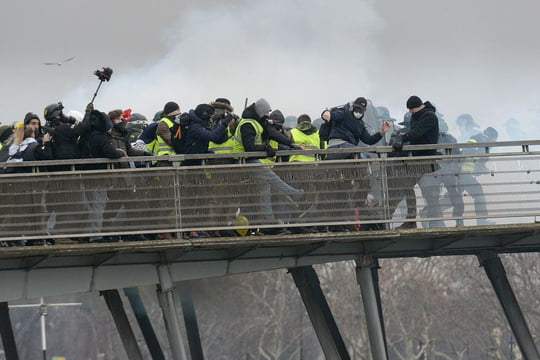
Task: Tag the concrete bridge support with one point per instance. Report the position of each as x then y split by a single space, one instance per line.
496 273
368 279
190 321
167 301
144 322
114 303
319 312
6 332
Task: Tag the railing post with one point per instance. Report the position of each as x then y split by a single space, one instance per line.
494 269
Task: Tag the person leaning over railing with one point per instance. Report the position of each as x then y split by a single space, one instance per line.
306 136
252 135
423 130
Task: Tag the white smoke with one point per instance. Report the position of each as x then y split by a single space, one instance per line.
302 56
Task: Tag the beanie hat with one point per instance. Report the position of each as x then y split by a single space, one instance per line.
278 117
171 108
222 103
204 111
262 107
304 122
360 103
414 102
5 132
29 117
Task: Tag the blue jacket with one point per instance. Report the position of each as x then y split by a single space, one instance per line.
344 126
198 134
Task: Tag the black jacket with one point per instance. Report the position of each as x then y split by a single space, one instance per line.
424 129
101 142
344 126
248 133
199 134
64 142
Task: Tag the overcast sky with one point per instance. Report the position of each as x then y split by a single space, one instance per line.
481 57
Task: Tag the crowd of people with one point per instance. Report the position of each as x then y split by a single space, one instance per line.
215 128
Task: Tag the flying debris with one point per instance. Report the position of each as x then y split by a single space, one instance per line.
59 63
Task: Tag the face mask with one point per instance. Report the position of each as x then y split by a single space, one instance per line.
357 115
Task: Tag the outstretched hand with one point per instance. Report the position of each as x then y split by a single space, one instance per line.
385 127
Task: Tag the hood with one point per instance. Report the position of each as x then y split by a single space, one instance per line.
429 106
196 118
100 122
250 113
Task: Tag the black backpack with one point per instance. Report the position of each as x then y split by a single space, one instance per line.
178 134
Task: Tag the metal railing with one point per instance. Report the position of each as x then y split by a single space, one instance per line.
231 194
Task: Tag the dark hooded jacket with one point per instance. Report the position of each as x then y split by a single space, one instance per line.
101 142
344 126
64 142
424 129
248 133
120 140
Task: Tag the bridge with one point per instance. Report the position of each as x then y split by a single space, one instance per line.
97 225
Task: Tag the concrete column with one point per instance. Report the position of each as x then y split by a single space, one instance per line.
319 312
372 307
496 273
6 331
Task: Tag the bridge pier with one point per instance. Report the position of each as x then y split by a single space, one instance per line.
168 305
6 331
114 303
190 321
368 279
496 273
144 322
319 312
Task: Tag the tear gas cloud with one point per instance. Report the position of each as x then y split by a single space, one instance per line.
481 57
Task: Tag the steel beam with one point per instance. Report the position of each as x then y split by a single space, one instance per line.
144 322
167 302
114 303
190 321
319 312
6 331
496 273
365 276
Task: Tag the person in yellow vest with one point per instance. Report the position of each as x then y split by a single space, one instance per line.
223 110
307 137
164 134
252 135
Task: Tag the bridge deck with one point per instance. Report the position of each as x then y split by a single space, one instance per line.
29 272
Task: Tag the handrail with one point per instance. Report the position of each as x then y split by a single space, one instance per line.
524 144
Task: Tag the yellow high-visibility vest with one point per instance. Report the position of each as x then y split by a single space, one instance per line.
162 147
225 148
308 142
238 144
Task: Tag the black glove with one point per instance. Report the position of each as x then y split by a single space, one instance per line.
89 107
397 142
270 151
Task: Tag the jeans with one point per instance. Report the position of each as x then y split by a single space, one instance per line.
270 182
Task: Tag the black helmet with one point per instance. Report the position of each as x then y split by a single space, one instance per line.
53 112
491 133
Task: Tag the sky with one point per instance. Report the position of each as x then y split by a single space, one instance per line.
480 57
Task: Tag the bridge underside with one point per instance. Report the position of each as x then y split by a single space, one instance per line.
31 272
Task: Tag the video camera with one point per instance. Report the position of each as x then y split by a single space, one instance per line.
104 74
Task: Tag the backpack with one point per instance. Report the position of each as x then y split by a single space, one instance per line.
178 134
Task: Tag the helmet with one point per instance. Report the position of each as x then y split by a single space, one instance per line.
53 112
466 120
136 117
491 133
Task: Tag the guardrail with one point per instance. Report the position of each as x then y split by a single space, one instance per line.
365 192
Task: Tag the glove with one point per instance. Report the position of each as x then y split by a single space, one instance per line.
270 151
89 107
397 144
